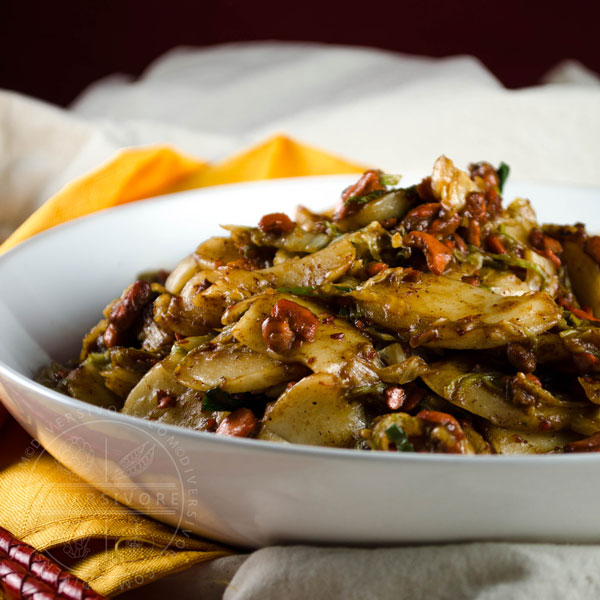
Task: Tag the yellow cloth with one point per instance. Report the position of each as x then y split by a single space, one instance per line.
103 547
139 173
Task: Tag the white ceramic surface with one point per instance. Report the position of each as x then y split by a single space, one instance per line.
245 492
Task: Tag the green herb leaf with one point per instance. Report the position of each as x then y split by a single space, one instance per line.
515 261
380 335
571 318
218 400
332 229
367 197
350 312
472 257
503 172
185 345
99 360
362 390
324 292
302 290
397 435
492 381
389 179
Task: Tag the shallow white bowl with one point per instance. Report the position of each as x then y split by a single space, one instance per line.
247 492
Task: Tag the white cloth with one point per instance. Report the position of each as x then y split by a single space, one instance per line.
478 571
396 112
454 572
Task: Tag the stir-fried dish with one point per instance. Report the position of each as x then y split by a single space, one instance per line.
428 318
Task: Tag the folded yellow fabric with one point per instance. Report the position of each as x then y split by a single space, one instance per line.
104 543
140 173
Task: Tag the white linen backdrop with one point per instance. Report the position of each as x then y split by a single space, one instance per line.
394 111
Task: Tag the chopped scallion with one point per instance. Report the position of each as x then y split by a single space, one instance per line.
398 436
503 172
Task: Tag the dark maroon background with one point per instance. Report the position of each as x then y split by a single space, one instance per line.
52 49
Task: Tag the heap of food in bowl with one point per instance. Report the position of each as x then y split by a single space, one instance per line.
419 319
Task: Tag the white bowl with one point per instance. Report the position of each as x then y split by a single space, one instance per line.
247 492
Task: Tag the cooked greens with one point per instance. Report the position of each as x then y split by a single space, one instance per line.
421 319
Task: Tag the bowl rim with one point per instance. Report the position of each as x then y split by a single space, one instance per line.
255 445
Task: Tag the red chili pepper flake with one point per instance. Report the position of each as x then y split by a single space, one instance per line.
474 233
545 425
435 417
578 312
531 377
449 244
586 362
553 245
337 336
411 276
546 246
460 243
436 253
555 259
327 319
589 444
495 245
471 280
375 268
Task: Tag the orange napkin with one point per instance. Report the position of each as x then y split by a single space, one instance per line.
119 550
138 173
